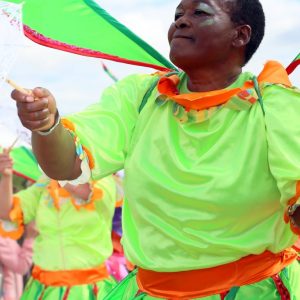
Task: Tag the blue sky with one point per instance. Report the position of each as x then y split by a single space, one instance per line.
78 81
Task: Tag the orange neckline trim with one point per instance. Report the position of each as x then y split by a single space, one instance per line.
57 192
273 72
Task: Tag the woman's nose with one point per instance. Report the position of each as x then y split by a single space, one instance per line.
182 22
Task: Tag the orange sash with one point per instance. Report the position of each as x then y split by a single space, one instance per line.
70 277
216 280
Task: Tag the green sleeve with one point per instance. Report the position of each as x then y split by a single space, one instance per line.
282 117
30 198
105 128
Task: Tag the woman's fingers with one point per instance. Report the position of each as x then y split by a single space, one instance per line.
37 110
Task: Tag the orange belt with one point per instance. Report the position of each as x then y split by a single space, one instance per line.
216 280
71 277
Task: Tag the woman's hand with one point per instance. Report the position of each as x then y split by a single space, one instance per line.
6 163
37 109
38 112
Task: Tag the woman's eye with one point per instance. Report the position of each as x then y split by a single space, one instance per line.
199 12
177 16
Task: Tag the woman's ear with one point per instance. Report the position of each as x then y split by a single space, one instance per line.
242 36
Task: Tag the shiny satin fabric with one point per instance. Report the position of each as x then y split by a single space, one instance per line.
262 290
95 291
217 280
198 194
71 236
70 277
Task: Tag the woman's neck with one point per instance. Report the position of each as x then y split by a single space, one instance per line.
203 80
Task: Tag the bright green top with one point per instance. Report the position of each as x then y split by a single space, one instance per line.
202 188
69 238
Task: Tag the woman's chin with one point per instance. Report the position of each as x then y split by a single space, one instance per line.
180 61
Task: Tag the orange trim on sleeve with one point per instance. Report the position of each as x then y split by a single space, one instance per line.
13 234
90 157
16 214
16 217
71 126
68 124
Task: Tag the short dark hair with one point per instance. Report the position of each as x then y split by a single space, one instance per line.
250 12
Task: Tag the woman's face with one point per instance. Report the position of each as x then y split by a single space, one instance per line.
201 34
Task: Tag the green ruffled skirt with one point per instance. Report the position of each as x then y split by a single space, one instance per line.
35 290
263 290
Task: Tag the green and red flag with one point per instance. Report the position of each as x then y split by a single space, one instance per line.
293 65
85 28
25 163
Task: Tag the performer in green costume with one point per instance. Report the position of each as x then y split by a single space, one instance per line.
211 159
74 240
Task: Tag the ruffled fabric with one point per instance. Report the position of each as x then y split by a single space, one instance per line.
81 151
35 290
96 195
198 107
13 229
58 194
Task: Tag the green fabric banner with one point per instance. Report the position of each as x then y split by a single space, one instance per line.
83 27
25 164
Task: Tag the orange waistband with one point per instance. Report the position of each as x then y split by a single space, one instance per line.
71 277
216 280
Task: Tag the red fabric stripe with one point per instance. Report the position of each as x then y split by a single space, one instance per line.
223 295
23 176
95 290
48 42
66 295
282 290
290 69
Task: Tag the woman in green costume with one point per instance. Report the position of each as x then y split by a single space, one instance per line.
211 158
74 240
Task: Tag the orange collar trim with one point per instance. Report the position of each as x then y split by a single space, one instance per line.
57 192
273 73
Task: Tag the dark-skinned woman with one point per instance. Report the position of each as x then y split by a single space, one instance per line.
211 158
